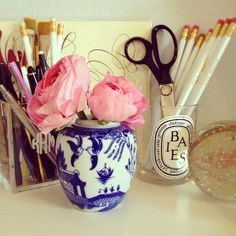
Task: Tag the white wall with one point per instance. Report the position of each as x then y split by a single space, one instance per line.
219 99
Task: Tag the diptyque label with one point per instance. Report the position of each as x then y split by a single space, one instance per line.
171 138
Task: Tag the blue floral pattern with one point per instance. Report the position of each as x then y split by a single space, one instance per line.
109 154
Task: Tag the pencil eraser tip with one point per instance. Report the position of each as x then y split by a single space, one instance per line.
210 30
220 21
196 27
228 20
186 27
233 20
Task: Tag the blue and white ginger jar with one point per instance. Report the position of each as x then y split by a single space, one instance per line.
96 163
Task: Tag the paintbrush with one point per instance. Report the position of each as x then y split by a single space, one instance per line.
44 37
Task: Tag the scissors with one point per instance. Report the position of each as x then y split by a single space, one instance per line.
152 59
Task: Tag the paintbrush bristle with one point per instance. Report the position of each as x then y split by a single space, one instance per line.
31 23
43 28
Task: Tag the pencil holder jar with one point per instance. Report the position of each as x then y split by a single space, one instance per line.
96 163
166 158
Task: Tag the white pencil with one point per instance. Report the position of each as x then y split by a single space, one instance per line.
26 43
186 54
193 54
181 47
187 78
53 41
191 79
200 42
217 44
213 40
207 73
60 29
201 62
221 33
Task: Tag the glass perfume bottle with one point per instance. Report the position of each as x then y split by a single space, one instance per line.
166 160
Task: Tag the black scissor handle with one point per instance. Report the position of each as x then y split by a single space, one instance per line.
147 58
147 54
155 31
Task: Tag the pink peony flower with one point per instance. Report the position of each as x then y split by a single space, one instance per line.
60 94
116 99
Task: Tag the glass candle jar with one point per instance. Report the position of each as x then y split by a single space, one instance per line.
166 159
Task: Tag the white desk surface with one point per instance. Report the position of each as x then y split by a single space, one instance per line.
147 210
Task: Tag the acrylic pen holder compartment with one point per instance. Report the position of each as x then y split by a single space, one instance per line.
17 165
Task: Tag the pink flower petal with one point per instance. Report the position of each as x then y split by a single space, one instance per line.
60 94
53 121
117 99
134 121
